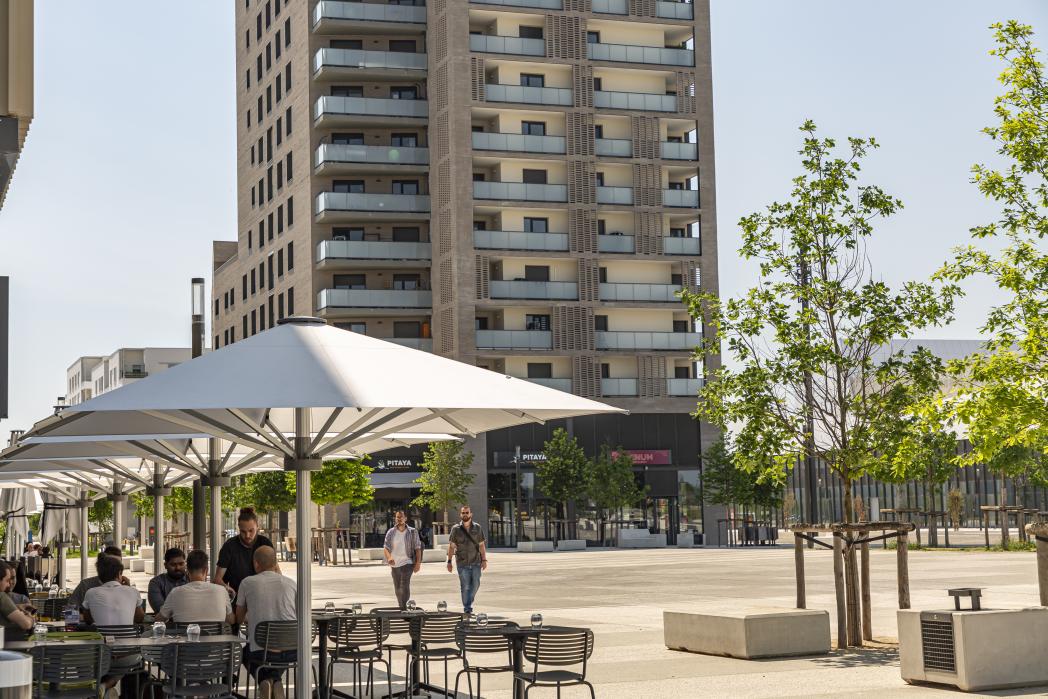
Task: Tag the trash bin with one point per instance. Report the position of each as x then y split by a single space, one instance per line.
16 675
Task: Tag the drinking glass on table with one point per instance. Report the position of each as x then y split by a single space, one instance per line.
482 619
357 608
329 607
536 621
40 632
193 633
442 606
159 629
411 605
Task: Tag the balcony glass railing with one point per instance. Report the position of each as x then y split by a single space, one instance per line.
524 94
499 289
635 101
616 243
559 384
371 250
542 4
674 10
626 53
520 240
611 7
520 191
507 44
515 339
341 201
618 147
629 340
615 195
680 151
334 153
354 58
419 343
681 246
518 142
683 387
660 293
374 298
369 12
370 106
618 387
688 198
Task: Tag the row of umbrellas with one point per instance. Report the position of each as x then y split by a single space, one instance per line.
285 399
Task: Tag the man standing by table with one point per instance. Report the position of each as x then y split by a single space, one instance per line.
174 575
466 544
403 552
236 557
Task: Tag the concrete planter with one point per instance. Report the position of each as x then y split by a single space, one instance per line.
640 539
138 565
758 632
149 567
571 545
686 541
145 553
440 540
369 554
534 546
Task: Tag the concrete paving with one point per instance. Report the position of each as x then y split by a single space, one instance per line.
621 595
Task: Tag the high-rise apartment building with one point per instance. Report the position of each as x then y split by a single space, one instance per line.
524 185
16 84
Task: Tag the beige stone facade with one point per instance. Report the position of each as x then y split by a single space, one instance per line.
16 84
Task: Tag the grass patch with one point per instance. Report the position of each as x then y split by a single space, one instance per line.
1013 545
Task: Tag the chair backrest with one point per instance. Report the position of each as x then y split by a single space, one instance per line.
55 664
192 663
278 635
207 628
560 646
396 626
54 607
469 642
120 630
360 631
439 627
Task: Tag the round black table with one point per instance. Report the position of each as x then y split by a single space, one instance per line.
414 618
517 635
323 620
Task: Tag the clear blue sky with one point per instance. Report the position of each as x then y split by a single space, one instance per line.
129 173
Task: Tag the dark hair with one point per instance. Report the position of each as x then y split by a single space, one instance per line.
196 561
111 551
21 587
173 552
4 567
247 514
109 568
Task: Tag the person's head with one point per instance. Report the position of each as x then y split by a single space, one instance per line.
20 586
196 565
7 576
37 547
109 568
466 514
28 547
112 551
265 558
247 523
400 518
175 563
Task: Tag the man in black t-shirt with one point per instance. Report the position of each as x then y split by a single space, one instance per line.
236 557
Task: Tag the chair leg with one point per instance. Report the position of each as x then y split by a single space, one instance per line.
445 678
593 695
479 695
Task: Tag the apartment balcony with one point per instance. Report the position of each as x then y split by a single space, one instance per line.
616 243
630 340
332 16
618 387
525 94
336 207
620 196
681 246
683 387
486 43
520 240
340 158
539 4
521 289
371 299
424 344
336 253
669 9
332 111
133 373
643 293
559 384
611 7
614 147
652 55
634 101
341 64
515 339
518 143
520 191
681 198
672 150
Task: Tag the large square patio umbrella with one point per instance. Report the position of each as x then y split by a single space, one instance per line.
305 390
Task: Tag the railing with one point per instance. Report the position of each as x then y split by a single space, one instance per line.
674 10
517 142
681 246
559 384
520 191
134 374
611 7
345 201
424 344
515 339
505 289
639 292
686 198
616 243
543 4
637 340
327 9
526 94
680 151
374 298
328 153
520 240
618 387
618 147
615 195
635 101
356 58
627 53
371 250
683 387
371 106
507 44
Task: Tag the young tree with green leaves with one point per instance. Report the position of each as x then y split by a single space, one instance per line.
445 477
725 484
563 475
101 514
612 484
340 481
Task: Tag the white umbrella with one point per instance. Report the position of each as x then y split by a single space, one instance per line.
14 508
330 390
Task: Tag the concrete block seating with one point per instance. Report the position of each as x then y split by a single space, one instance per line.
571 545
685 541
148 567
440 540
534 546
433 555
754 632
138 565
368 554
145 553
640 539
126 560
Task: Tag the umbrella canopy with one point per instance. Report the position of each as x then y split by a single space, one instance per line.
14 506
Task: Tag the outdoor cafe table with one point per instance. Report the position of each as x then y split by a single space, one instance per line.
323 621
517 635
140 642
414 618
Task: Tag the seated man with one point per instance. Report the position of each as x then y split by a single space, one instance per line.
77 598
266 596
8 575
16 622
174 576
197 600
112 603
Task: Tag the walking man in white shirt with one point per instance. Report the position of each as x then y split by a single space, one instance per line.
403 552
198 600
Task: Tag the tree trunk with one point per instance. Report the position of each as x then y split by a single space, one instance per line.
849 506
929 506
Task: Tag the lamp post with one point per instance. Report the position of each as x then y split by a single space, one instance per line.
519 533
199 497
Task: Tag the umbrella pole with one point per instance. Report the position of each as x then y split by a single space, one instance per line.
158 517
215 481
84 536
301 464
119 498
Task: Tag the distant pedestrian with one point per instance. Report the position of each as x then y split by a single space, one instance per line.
403 552
466 544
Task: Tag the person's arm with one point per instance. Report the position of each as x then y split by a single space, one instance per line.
164 613
155 595
387 547
241 614
231 617
451 553
418 552
21 620
483 555
87 610
242 600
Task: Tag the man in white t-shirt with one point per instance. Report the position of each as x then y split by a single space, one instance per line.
111 603
266 596
198 600
403 552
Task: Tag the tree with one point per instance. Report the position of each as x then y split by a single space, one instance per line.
562 476
816 319
445 476
724 484
268 492
339 481
101 514
612 484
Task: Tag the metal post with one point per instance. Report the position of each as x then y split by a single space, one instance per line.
158 517
119 497
84 505
215 480
518 532
197 338
304 595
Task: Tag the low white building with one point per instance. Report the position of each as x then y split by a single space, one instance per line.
92 376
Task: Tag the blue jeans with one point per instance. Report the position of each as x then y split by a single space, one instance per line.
469 583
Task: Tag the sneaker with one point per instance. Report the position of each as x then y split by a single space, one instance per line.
265 689
278 690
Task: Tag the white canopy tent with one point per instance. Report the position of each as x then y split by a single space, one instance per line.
305 390
14 507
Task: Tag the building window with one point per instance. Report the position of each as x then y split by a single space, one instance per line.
270 275
280 173
534 176
280 93
269 226
287 77
407 328
355 327
602 275
533 128
540 370
269 16
406 234
280 219
287 32
252 282
347 139
250 235
280 306
348 44
525 32
272 318
349 281
480 323
598 131
269 56
261 233
680 326
277 45
347 91
269 144
405 187
403 140
536 225
536 273
216 306
258 66
243 288
348 186
407 282
536 322
290 200
403 93
291 300
347 233
605 371
592 37
269 99
402 46
244 328
280 263
290 255
287 122
217 345
598 178
287 171
258 26
600 323
532 80
247 77
262 317
598 84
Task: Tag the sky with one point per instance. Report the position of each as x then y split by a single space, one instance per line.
128 173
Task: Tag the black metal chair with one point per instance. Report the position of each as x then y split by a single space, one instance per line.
207 628
125 662
54 607
200 670
71 672
400 628
485 644
358 639
275 637
436 634
559 647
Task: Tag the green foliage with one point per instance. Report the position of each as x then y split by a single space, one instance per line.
143 504
612 484
339 481
724 484
955 507
445 476
268 492
563 475
101 513
817 310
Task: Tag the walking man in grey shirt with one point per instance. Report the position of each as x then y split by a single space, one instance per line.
403 552
466 544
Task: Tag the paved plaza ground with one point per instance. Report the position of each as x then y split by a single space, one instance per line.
621 595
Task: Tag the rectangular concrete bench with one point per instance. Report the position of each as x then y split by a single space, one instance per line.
534 546
640 539
686 541
148 567
431 555
755 632
145 553
440 540
369 554
571 545
138 565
